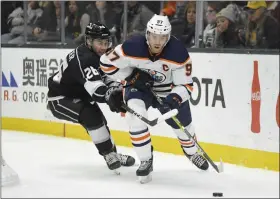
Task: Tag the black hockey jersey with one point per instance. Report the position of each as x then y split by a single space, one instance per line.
78 75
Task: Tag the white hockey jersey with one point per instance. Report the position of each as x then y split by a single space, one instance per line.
171 69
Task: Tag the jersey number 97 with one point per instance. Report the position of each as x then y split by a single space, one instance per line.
112 55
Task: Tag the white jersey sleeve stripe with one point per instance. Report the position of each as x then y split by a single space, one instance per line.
108 69
106 65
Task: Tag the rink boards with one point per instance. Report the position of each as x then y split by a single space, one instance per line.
234 105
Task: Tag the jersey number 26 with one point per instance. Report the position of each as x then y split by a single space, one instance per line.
91 72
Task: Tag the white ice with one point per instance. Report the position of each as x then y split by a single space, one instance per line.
51 166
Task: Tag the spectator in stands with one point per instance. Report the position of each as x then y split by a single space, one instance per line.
262 30
209 32
43 4
137 18
16 20
7 8
76 22
104 12
174 9
226 35
274 9
184 29
118 9
169 9
154 6
240 15
48 26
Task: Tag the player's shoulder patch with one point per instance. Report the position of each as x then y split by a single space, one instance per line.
136 47
175 52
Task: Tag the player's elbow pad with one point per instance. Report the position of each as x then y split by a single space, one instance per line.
97 90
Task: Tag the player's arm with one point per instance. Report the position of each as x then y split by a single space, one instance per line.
89 77
182 80
110 83
118 66
115 64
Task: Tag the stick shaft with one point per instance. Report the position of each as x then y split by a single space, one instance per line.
175 119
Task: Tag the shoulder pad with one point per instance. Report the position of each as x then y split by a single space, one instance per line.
136 47
175 52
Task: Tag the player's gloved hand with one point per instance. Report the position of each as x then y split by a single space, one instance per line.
140 80
114 99
172 101
99 93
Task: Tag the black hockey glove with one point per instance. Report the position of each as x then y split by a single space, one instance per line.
140 80
99 94
114 99
172 101
97 90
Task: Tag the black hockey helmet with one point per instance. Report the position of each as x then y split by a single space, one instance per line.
97 31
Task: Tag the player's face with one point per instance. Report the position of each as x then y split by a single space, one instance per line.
100 46
157 42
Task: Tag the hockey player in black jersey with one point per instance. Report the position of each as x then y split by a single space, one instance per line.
78 85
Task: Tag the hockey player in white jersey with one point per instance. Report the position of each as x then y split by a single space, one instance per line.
163 62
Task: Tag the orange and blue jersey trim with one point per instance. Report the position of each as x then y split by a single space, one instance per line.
108 69
189 87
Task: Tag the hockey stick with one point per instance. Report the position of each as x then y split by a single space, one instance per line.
219 168
154 122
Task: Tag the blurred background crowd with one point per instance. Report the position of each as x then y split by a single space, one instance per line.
213 24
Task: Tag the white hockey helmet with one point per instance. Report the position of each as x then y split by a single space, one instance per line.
159 24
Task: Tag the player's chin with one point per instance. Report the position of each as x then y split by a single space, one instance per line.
156 49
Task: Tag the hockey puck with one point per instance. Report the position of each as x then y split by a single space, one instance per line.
218 194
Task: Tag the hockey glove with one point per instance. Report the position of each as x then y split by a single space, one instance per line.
96 89
98 96
140 80
172 101
114 99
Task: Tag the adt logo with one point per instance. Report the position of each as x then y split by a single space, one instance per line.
12 82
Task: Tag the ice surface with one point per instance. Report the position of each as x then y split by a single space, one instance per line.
51 166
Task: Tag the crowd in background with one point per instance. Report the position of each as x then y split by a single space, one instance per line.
226 24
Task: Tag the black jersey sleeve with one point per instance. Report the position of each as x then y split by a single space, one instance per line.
86 75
